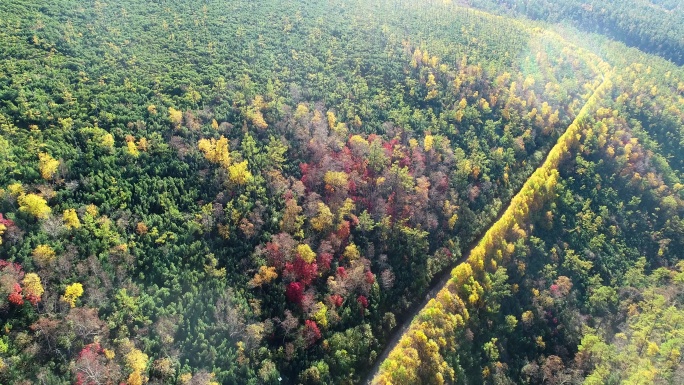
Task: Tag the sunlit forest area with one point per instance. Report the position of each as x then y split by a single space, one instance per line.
341 192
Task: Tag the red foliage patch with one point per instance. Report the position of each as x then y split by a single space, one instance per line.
352 187
302 271
6 222
554 289
34 299
88 360
90 350
341 272
337 300
324 260
311 332
295 292
343 231
13 266
370 278
275 255
305 169
15 297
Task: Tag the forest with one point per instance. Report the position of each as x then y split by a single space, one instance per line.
235 192
653 26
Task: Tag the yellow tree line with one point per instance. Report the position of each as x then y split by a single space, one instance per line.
418 358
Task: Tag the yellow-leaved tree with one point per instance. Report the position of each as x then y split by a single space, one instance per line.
265 275
48 165
107 141
143 144
136 378
332 119
175 116
33 289
335 180
239 174
34 205
302 111
72 293
351 252
324 218
258 120
254 112
43 255
428 143
216 151
137 362
305 253
70 219
320 314
16 189
347 208
132 149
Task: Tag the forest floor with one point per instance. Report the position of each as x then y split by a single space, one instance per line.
442 279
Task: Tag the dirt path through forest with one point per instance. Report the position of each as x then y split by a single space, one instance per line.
437 283
441 280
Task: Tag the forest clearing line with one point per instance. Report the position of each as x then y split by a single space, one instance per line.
473 264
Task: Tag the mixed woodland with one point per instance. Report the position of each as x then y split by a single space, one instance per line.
238 192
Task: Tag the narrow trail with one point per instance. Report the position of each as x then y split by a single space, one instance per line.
438 282
441 280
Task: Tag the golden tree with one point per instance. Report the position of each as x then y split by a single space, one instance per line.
33 289
239 174
332 120
335 180
305 253
43 255
137 362
48 165
107 141
323 219
72 293
132 149
216 151
34 205
265 275
175 116
351 252
429 142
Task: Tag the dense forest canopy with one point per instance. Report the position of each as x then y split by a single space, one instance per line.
654 26
221 192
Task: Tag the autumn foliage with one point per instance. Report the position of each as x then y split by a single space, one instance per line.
467 282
